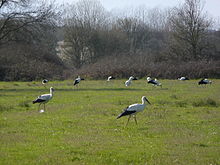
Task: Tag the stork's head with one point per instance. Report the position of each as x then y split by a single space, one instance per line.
144 99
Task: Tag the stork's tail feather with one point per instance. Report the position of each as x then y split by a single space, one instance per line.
125 113
38 101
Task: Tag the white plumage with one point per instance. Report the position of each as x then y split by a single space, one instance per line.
134 109
43 99
128 82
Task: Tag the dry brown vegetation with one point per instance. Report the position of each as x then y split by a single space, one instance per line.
142 66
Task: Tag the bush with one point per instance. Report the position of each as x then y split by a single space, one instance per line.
27 63
144 65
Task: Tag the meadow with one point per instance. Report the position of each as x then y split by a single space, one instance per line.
79 126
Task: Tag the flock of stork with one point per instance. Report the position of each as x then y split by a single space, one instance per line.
131 110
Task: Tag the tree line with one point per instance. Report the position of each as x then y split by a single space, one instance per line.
39 40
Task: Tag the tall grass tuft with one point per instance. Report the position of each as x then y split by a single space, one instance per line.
181 104
205 102
24 104
5 107
174 97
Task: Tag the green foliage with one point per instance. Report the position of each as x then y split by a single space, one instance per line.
79 125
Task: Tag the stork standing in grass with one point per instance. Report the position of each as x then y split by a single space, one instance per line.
128 82
43 99
44 82
153 82
134 109
204 81
77 80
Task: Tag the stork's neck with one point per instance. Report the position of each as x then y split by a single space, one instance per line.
51 92
143 101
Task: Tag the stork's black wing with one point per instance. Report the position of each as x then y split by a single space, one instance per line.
125 113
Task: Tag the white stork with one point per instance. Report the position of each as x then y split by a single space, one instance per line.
205 81
44 82
183 78
77 80
110 78
153 82
43 99
134 109
128 82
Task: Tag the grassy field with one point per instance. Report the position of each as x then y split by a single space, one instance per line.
79 126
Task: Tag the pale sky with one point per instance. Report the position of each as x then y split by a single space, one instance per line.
212 6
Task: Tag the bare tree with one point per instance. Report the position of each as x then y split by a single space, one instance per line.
82 23
29 27
189 30
4 3
137 33
23 15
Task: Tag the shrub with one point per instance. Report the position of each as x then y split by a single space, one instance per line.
143 65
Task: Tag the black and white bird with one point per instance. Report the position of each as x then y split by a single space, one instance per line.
128 82
183 78
44 82
205 81
77 80
134 109
110 78
153 82
43 99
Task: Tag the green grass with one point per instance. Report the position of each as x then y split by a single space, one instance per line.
79 126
